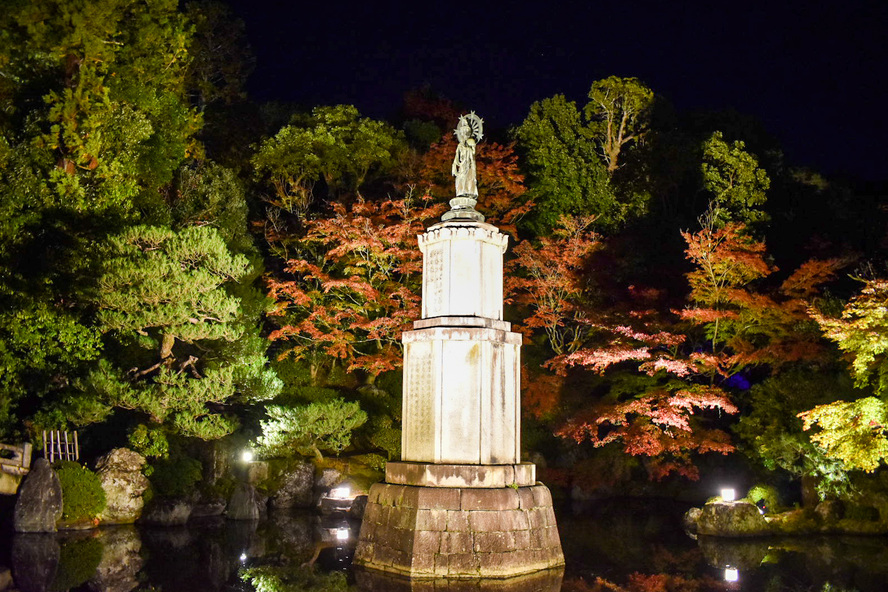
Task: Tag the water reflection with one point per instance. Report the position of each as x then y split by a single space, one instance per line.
617 547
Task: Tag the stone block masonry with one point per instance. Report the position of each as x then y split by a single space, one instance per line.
459 532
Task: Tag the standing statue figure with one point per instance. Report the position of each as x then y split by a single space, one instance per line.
469 132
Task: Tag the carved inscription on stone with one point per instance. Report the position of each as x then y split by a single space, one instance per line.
419 402
434 277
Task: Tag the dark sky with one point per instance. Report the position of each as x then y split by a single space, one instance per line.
812 72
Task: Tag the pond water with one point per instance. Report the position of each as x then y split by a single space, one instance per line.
630 545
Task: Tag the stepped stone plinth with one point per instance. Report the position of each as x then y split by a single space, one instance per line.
460 503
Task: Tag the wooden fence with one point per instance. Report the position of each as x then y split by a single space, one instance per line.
57 445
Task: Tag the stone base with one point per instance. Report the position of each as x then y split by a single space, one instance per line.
459 532
454 475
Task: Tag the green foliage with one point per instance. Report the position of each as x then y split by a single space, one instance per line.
772 435
619 112
288 578
308 429
853 432
78 560
765 493
149 441
335 144
862 332
565 175
176 475
733 177
82 495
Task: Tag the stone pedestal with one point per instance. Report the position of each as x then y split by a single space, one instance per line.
460 523
461 504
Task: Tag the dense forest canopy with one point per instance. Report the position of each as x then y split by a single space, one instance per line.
180 262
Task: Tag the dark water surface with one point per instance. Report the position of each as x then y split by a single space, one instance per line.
631 546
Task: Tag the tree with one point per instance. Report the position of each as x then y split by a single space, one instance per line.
353 286
335 144
621 110
564 173
308 429
735 181
94 124
163 303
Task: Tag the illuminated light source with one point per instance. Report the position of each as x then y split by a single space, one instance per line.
340 492
341 534
243 557
727 494
247 456
732 574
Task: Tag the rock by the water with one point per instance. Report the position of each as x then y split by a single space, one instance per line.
732 519
167 512
120 472
39 504
297 488
245 503
359 504
830 511
208 509
324 481
35 561
121 561
689 520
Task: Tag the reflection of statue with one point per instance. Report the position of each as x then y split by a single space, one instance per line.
469 132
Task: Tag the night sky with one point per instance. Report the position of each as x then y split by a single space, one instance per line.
812 72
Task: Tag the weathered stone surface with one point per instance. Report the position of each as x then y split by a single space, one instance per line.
245 503
830 511
689 520
167 512
39 504
732 519
358 507
408 530
121 560
208 509
455 475
297 487
256 472
35 561
120 472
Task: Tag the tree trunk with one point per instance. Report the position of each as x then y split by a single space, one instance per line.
166 346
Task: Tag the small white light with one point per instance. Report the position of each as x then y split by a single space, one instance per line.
340 492
341 534
732 574
247 456
728 494
243 557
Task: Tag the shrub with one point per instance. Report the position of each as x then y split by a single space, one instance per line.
175 476
765 493
82 493
308 429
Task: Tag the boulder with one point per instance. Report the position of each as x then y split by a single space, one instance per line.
245 503
297 485
208 509
39 504
732 519
690 518
324 481
167 512
830 511
359 504
120 472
